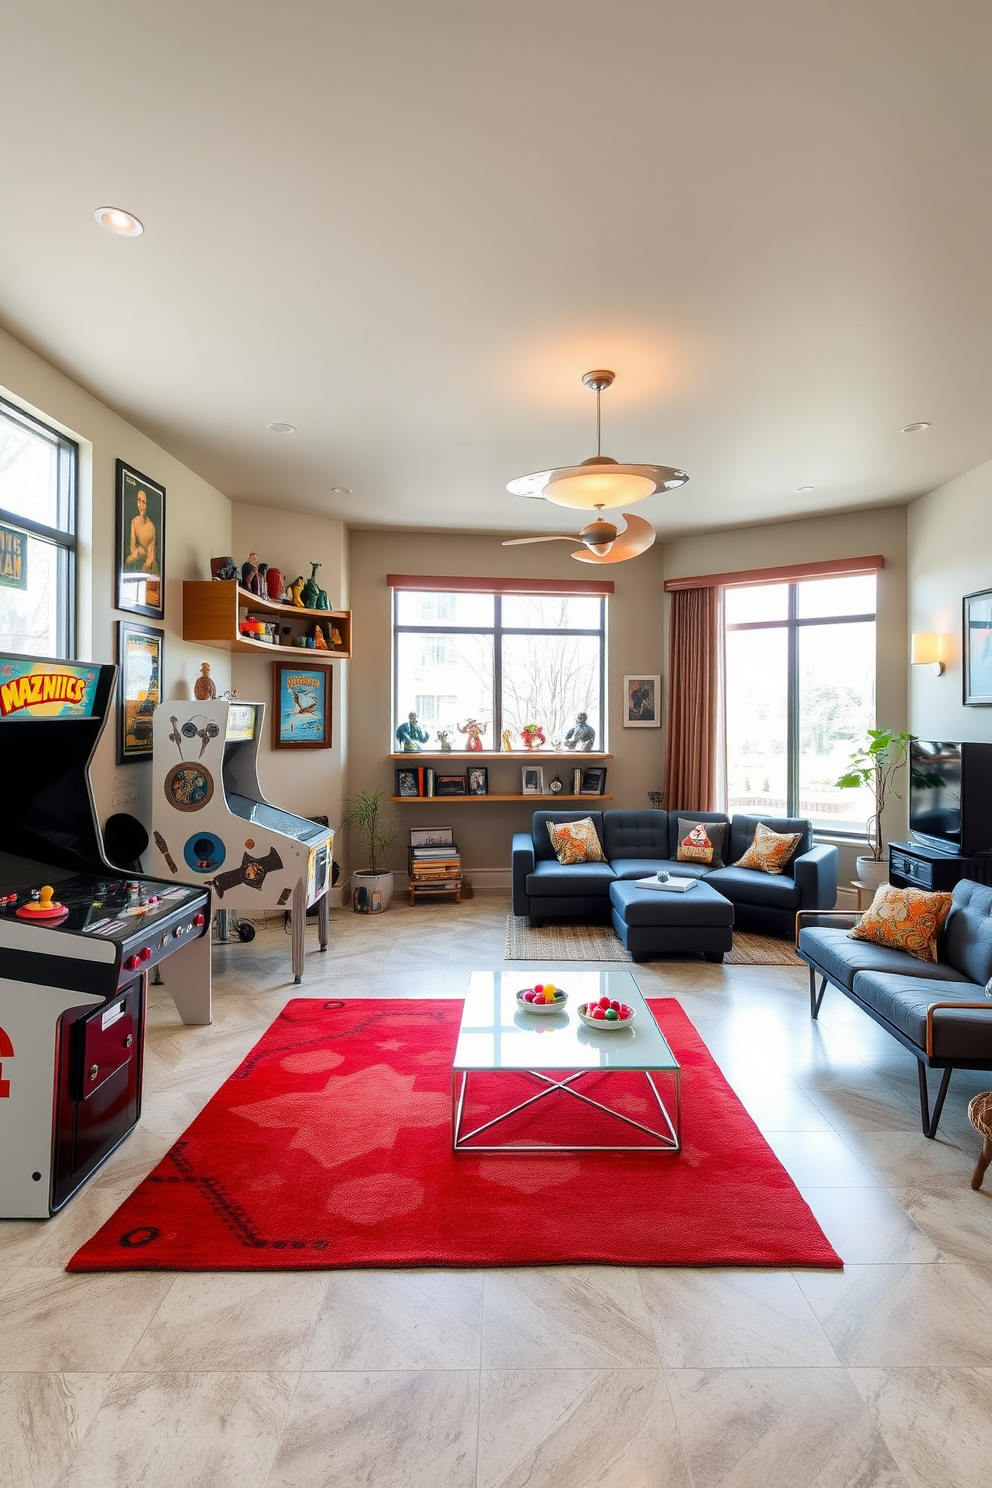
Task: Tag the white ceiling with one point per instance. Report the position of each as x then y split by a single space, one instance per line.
408 226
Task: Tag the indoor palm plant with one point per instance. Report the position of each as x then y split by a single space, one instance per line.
875 765
372 887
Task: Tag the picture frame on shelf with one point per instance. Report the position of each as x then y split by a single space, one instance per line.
977 649
139 564
593 781
139 688
532 780
478 780
406 783
450 785
301 705
642 701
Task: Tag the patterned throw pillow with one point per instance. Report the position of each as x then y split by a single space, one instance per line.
701 842
576 841
770 851
905 920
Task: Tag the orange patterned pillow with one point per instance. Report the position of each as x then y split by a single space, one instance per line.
905 920
770 851
576 841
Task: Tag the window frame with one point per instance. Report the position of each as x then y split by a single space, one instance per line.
498 630
792 623
63 538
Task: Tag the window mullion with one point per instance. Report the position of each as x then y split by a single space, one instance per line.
498 672
792 706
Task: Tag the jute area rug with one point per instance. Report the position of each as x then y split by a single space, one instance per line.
569 942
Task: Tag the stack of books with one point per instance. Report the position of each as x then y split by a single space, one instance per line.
435 870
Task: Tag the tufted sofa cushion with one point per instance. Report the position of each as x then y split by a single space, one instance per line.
966 943
636 834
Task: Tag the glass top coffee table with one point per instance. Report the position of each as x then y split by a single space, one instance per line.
503 1052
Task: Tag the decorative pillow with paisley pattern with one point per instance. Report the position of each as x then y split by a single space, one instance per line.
576 841
905 920
770 851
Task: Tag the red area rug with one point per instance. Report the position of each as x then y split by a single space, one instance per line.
331 1146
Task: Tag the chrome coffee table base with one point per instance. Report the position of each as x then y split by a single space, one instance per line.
667 1139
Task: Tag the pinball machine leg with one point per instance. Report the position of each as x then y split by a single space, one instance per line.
187 977
299 929
323 921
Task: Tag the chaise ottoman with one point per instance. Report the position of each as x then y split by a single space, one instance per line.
653 922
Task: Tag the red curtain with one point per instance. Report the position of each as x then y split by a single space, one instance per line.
691 741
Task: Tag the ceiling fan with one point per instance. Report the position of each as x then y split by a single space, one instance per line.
603 542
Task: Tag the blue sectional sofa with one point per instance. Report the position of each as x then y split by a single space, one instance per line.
937 1010
638 843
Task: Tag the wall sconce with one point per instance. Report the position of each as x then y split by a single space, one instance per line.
926 651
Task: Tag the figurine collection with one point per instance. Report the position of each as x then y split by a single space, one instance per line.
411 736
268 582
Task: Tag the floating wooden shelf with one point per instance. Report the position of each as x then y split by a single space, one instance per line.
511 756
444 800
212 609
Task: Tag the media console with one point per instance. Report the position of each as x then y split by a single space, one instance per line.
915 866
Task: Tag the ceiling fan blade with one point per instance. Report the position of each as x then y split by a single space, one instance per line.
636 538
515 542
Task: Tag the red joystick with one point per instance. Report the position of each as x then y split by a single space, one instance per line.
42 908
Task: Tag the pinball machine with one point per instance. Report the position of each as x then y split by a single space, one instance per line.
211 821
78 938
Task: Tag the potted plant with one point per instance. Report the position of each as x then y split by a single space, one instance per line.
876 765
372 887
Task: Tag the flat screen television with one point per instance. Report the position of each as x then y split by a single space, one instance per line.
950 795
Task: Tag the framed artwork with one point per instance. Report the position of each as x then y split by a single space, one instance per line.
478 780
139 688
642 702
977 649
593 782
406 783
139 578
533 780
449 785
301 706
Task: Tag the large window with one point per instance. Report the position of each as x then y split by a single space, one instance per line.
504 660
37 536
800 695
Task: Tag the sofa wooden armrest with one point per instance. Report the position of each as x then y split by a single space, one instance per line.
935 1007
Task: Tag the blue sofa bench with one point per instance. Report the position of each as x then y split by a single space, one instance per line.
936 1010
639 843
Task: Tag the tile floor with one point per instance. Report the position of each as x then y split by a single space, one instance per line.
578 1377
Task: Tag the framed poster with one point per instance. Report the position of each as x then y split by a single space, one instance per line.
642 702
139 578
977 649
301 706
139 688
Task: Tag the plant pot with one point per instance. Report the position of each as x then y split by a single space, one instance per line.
873 874
371 892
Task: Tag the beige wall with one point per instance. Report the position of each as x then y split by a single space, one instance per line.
198 525
950 555
308 782
855 534
483 831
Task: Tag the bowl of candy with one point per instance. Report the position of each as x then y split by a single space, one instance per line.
606 1015
543 997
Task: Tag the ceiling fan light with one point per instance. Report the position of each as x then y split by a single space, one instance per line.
595 484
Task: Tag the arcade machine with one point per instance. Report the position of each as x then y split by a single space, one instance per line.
78 938
211 820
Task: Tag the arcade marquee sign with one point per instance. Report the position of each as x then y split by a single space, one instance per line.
46 689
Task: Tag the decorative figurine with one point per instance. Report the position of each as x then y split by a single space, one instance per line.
336 637
296 589
323 603
581 736
532 735
318 639
411 735
475 731
507 739
204 687
444 742
249 575
274 583
223 568
311 589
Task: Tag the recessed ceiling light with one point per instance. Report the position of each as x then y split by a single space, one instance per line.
913 428
282 428
342 491
116 220
805 488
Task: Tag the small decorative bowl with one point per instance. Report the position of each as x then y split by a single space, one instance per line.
557 1006
604 1025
